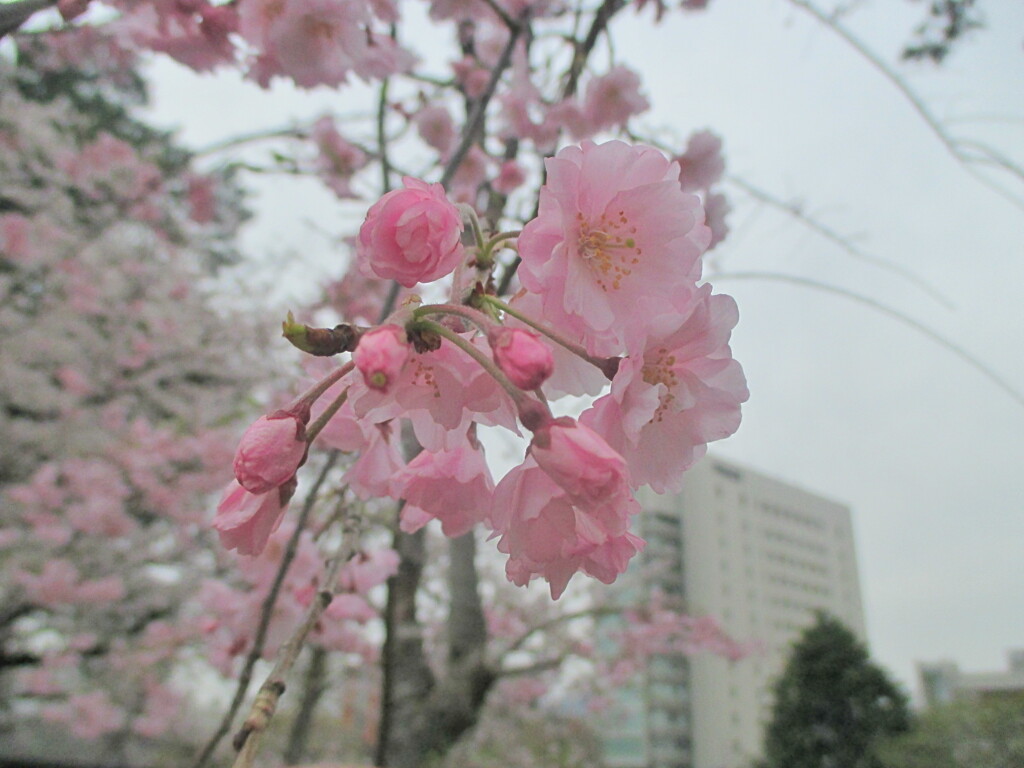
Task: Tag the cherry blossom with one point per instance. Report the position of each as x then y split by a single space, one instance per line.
411 235
614 232
381 355
453 486
545 534
245 520
684 391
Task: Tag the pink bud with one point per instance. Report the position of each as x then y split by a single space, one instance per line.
381 355
524 358
270 451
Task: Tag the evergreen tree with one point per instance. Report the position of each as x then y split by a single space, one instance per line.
832 704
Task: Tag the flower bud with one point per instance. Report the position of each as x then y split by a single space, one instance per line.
270 451
381 355
522 356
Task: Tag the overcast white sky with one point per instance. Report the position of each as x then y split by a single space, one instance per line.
845 401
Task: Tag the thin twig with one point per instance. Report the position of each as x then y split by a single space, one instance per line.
954 146
938 338
833 236
476 117
266 612
247 740
601 20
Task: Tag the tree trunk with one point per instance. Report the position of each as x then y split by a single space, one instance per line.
421 715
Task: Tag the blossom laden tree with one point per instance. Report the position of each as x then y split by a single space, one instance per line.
573 269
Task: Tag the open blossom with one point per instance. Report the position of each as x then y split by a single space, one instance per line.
337 160
441 393
245 520
589 470
317 42
613 98
435 126
381 355
522 356
453 486
270 452
411 235
545 534
702 164
684 391
614 233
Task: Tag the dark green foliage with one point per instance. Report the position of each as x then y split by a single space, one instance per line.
832 704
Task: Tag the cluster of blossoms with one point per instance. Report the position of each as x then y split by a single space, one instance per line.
610 271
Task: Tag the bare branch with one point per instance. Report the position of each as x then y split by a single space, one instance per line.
266 612
562 618
247 740
796 211
938 338
955 147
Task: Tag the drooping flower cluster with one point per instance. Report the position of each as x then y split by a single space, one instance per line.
610 270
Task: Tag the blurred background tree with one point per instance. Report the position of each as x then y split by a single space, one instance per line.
832 704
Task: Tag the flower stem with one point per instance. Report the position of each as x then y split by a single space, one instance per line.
607 365
487 251
313 394
531 411
475 316
317 426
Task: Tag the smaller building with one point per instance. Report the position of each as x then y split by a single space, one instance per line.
943 681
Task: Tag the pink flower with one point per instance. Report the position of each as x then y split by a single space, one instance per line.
545 534
270 452
614 232
338 159
702 164
453 486
681 393
523 357
717 207
440 393
317 42
367 570
434 125
589 470
613 98
245 520
510 177
381 355
411 235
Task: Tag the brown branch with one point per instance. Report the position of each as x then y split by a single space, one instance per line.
246 741
476 117
602 18
266 612
312 690
562 618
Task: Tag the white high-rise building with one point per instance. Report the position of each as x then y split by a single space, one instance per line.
760 555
